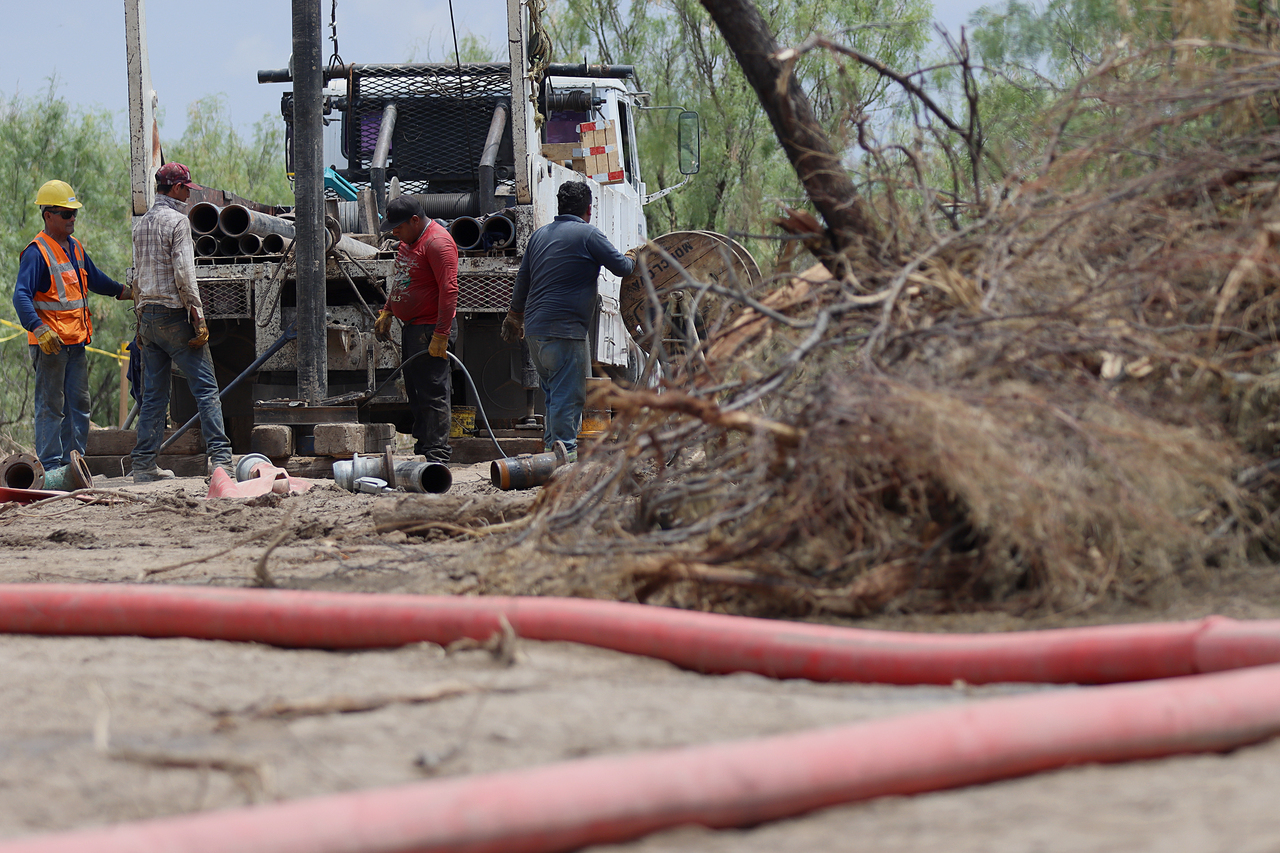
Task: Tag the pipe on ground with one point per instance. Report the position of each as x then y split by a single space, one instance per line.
704 642
564 806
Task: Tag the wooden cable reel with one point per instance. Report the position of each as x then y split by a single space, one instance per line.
694 257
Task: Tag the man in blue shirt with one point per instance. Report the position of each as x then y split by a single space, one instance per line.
553 302
51 296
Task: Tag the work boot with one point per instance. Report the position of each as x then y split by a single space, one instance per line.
225 465
152 474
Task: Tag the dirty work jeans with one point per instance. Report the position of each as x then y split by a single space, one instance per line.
563 364
62 404
163 333
428 383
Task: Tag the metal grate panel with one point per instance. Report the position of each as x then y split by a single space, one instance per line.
443 116
485 291
225 300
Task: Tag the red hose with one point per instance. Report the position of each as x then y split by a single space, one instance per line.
704 642
600 800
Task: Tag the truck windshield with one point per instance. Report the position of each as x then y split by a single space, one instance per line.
562 125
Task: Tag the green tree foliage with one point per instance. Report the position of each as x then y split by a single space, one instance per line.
681 58
218 157
43 138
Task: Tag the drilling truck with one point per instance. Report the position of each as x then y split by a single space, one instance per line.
484 148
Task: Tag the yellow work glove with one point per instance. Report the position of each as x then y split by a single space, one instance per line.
382 326
48 339
439 345
126 294
513 327
202 336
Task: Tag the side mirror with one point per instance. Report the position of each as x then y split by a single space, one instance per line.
689 142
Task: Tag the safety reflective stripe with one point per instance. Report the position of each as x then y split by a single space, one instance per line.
61 306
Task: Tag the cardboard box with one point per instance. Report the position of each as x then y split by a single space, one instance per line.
599 152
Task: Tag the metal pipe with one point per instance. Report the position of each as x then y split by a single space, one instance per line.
250 244
274 244
466 232
528 469
282 75
236 220
228 245
433 478
206 245
448 205
308 162
381 152
21 471
354 248
492 142
204 217
498 232
558 69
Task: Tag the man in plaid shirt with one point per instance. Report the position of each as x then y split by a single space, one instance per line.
171 326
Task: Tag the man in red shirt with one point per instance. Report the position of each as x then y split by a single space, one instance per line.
424 298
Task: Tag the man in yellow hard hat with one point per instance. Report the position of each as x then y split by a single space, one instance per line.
51 297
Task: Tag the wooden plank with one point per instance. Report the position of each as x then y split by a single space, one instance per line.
120 442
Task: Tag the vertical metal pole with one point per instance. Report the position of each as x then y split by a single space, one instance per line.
308 163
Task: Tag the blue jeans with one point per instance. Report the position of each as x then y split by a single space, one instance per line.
163 333
562 365
62 404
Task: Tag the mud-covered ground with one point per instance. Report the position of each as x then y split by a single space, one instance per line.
104 730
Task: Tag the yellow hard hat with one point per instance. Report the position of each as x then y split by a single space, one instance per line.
57 194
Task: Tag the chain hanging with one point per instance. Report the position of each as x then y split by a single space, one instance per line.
335 61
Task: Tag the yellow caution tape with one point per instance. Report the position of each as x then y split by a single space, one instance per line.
87 349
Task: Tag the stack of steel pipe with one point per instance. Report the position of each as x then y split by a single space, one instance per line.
492 231
213 239
238 221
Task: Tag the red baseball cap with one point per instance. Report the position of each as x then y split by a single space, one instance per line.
175 175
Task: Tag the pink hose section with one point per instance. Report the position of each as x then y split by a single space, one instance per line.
564 806
600 800
704 642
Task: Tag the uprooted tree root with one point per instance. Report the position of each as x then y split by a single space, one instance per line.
1071 399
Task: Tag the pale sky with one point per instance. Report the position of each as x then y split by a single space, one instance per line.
198 49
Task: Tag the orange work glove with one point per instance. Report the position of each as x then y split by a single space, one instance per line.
48 340
439 345
513 327
382 326
202 336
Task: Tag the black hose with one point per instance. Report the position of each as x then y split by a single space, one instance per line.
471 382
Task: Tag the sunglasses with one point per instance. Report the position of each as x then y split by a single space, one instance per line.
66 214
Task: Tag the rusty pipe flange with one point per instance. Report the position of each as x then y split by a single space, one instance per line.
21 471
81 476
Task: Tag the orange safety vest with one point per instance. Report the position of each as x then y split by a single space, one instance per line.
64 306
